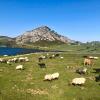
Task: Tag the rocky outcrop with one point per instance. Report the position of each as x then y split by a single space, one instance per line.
42 33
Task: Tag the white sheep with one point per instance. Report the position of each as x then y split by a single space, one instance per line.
55 75
43 56
61 57
22 59
91 57
8 62
81 70
85 70
19 67
96 58
1 60
78 81
48 77
53 55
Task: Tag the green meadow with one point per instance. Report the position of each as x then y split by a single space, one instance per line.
28 84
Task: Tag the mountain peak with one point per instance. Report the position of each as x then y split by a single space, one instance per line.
43 33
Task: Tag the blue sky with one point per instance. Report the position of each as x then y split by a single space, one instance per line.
76 19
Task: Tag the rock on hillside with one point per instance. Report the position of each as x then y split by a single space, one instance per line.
43 33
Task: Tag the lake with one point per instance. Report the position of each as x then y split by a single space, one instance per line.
17 51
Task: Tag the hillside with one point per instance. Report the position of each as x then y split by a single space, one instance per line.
41 34
7 41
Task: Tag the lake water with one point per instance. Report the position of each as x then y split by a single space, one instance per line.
16 51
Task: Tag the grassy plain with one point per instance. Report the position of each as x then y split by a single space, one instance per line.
28 84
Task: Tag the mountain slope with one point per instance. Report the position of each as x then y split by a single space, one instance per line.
7 41
41 34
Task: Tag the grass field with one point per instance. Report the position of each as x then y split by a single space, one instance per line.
28 84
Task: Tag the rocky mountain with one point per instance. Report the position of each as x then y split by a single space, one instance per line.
39 34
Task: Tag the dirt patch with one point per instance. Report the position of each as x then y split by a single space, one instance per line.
37 91
34 91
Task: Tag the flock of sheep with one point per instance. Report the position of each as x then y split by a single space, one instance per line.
49 77
14 60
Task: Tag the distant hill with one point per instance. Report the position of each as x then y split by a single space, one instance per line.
42 35
7 41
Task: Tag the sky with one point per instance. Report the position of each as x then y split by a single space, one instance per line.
77 19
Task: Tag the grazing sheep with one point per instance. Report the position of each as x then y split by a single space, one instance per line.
41 58
23 59
97 78
96 58
61 57
48 77
57 55
88 61
81 70
78 81
3 60
19 67
55 75
90 57
52 56
42 65
47 54
26 59
13 60
9 63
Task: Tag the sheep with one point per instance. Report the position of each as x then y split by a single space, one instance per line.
41 58
47 54
42 65
97 78
57 55
61 57
90 57
52 56
78 81
50 77
96 58
26 59
55 75
19 67
23 59
3 60
88 61
9 63
13 60
81 70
